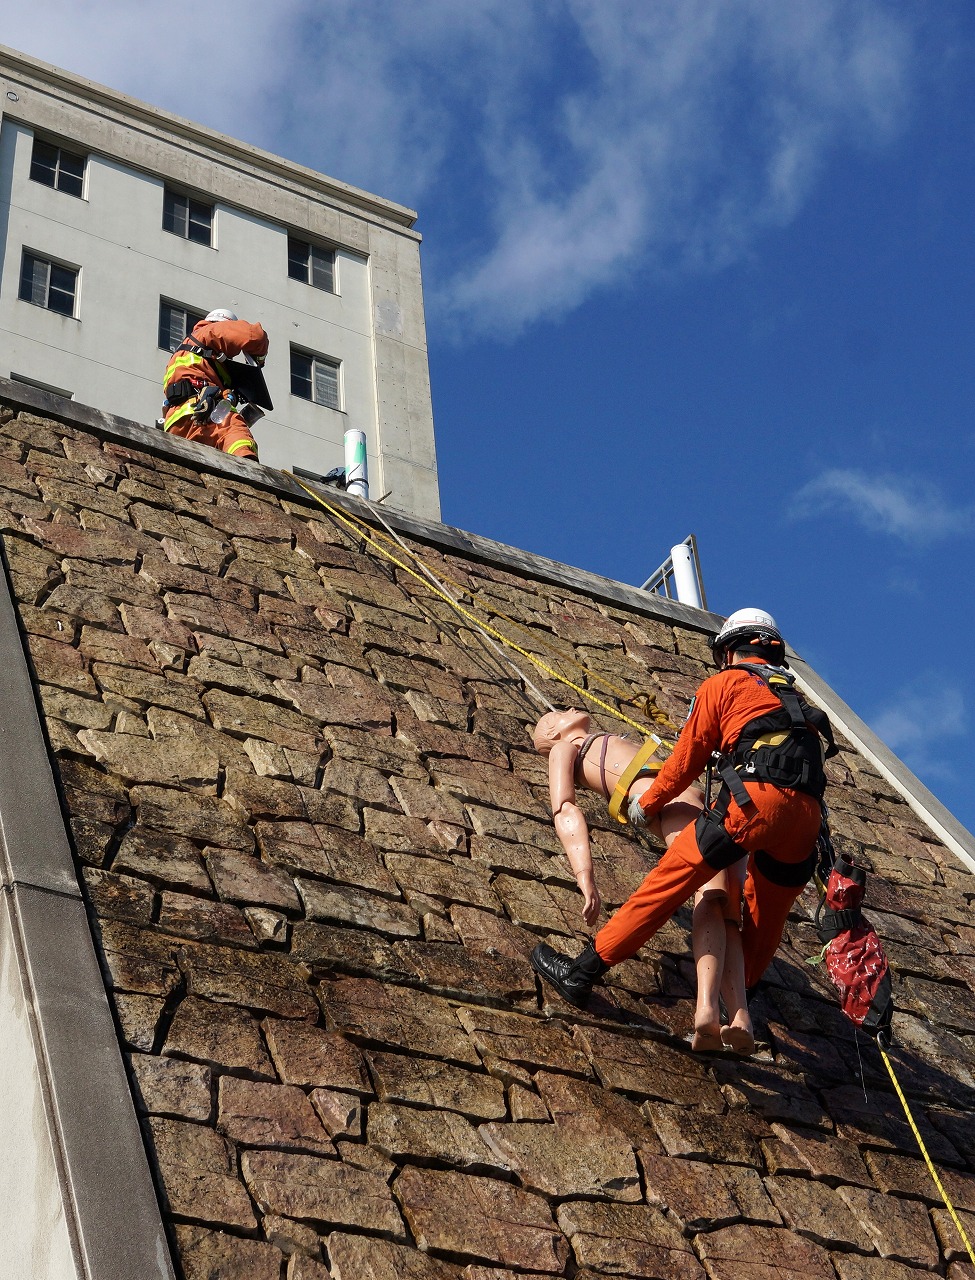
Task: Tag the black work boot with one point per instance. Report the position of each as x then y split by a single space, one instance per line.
572 979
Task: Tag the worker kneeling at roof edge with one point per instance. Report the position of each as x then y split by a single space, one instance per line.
770 745
201 400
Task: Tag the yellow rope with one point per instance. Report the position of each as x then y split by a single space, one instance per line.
644 701
358 528
924 1152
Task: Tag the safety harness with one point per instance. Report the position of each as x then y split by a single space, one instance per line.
785 748
180 391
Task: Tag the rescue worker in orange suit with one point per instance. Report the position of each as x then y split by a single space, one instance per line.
199 402
772 745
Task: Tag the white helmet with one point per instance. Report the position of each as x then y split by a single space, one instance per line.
747 626
220 314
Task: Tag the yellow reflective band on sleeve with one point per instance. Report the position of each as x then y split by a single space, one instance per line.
242 444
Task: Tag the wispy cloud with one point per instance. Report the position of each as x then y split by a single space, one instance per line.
568 144
913 509
922 721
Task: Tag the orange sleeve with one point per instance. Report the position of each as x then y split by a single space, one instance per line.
700 736
231 337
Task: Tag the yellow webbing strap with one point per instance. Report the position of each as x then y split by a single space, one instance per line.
629 775
359 530
924 1152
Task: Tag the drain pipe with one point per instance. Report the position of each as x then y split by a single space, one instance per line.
685 576
356 471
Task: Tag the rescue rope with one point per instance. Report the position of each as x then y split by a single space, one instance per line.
363 531
924 1152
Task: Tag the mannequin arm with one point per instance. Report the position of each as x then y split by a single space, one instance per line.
571 826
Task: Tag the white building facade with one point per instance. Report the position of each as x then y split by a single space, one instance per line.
120 225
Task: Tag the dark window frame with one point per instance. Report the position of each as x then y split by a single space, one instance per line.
312 263
305 384
191 318
182 216
53 286
61 170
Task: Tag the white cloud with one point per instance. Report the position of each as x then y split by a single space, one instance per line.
920 722
910 508
568 144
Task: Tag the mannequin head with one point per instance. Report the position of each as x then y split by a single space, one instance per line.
555 726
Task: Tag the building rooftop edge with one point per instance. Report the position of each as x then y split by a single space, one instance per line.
447 538
362 201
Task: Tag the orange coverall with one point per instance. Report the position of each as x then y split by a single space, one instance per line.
782 822
228 338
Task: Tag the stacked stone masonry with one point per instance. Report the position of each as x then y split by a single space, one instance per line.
316 850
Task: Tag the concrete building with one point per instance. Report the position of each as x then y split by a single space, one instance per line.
120 224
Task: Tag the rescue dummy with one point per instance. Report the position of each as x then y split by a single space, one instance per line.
201 403
577 757
771 747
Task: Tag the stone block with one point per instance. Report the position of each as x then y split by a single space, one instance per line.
897 1228
633 1240
308 1056
191 917
762 1253
455 881
480 1219
261 981
448 969
171 1087
698 1134
165 860
444 1136
216 1255
259 718
119 897
343 905
340 1113
198 1173
327 1193
196 817
573 1101
138 1017
240 878
353 1257
396 1016
218 1035
255 1113
356 951
528 1041
649 1069
429 1083
567 1160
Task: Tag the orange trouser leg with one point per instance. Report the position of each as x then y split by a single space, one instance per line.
232 436
784 823
790 826
679 872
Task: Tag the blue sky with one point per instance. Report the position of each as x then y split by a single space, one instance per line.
690 266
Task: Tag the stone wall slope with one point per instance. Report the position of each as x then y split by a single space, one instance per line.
315 847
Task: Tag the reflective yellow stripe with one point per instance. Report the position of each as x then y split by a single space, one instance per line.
242 444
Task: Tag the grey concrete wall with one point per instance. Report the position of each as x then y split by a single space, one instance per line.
108 354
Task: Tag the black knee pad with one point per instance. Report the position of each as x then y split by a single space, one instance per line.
717 848
787 875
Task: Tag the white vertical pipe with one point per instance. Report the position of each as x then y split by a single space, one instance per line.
685 578
356 472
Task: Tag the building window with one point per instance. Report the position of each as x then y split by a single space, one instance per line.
175 322
48 284
315 378
312 264
191 219
55 167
